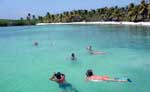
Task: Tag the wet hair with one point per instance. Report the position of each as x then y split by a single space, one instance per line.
58 75
90 48
36 43
73 55
89 73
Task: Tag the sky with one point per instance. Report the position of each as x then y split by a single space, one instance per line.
14 9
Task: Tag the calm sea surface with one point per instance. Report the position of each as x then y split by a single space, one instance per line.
26 68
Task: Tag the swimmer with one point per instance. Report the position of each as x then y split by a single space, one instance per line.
60 79
35 43
73 57
90 50
96 78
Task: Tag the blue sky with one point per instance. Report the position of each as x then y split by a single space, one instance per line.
12 9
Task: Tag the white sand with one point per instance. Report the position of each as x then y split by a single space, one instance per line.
111 22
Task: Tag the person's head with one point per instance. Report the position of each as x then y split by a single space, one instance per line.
73 55
90 47
36 43
58 75
89 73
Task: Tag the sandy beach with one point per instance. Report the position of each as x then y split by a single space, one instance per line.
111 22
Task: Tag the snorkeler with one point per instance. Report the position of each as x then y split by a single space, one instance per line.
92 52
96 78
73 57
60 79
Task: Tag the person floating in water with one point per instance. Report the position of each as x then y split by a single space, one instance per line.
96 78
89 48
92 52
60 79
36 44
73 57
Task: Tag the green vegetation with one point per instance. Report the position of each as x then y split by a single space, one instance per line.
5 22
134 13
28 21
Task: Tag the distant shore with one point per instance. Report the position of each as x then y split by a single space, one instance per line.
108 23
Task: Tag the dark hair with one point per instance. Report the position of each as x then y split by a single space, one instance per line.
73 55
89 73
58 75
35 43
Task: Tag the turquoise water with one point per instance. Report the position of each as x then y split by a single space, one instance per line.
26 68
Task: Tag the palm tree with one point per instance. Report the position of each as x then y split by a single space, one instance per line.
40 18
33 17
29 17
143 9
53 18
60 17
116 14
148 8
21 19
130 11
48 17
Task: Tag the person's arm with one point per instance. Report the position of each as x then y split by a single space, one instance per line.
86 79
52 78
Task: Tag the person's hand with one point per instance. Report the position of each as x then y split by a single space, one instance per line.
86 79
51 78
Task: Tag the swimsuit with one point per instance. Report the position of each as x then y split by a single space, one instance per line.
95 77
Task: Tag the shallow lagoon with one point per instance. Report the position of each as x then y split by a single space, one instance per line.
26 68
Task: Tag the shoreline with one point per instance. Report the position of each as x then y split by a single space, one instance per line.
102 23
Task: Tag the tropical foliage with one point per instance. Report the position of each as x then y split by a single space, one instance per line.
30 20
134 13
131 12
